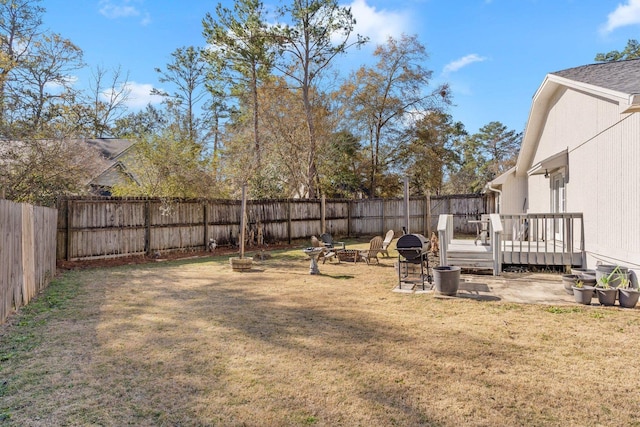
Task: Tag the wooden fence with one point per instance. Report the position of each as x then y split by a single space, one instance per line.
27 253
92 228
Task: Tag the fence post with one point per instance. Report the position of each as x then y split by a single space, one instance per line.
323 214
382 231
289 220
349 202
205 214
147 227
67 245
427 214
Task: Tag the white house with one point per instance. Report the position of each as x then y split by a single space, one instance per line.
581 153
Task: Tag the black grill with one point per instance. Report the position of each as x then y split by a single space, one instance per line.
413 248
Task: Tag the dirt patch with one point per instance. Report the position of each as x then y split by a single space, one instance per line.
167 256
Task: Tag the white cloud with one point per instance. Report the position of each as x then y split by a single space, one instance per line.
124 9
625 14
378 25
454 66
139 95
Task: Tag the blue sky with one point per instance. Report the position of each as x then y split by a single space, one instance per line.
493 53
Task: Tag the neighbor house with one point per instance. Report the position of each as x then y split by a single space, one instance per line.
581 153
115 154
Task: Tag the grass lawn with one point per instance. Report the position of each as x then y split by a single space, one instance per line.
191 343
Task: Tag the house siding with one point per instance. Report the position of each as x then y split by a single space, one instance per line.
514 195
603 176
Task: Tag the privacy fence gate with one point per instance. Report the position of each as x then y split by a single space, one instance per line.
94 228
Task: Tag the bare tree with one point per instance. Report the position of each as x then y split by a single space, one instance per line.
20 22
42 84
109 92
320 30
382 99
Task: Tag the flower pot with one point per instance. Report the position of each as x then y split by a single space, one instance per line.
588 279
569 281
607 296
605 270
583 295
240 264
583 271
628 297
446 279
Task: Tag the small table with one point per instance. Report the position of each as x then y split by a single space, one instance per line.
313 253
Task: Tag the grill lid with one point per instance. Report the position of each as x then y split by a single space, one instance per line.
413 247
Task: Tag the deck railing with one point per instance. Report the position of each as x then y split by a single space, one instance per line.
495 233
549 239
543 239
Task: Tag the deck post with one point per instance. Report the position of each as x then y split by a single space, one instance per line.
445 229
496 232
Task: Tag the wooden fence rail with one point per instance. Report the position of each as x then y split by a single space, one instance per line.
27 253
93 228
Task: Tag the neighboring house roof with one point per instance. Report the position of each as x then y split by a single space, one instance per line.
617 81
110 148
112 151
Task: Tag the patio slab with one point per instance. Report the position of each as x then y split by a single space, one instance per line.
526 288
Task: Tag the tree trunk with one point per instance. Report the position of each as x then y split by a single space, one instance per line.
256 134
311 163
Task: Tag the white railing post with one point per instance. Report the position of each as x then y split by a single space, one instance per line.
445 235
496 232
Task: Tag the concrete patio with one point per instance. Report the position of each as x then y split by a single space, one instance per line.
521 287
528 288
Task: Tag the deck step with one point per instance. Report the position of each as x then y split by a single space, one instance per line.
474 258
470 255
471 264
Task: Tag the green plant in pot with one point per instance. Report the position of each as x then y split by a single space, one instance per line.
582 293
606 293
569 281
627 294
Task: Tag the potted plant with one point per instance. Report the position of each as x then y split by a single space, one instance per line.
614 273
606 293
627 294
569 281
582 293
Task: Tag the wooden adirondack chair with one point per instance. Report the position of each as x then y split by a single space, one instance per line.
375 245
327 239
386 242
327 253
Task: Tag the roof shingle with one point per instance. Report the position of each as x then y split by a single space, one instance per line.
621 76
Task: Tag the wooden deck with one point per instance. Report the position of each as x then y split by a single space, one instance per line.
516 252
529 239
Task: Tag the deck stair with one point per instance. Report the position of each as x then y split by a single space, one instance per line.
470 254
466 255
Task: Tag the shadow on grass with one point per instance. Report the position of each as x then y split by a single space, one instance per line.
340 277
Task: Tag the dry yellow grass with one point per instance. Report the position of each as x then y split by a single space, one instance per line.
192 343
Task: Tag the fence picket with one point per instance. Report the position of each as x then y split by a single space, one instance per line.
27 253
93 228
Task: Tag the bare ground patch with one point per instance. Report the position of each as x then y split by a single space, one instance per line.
192 343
